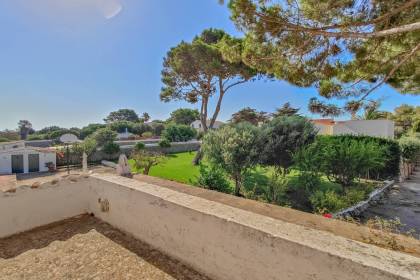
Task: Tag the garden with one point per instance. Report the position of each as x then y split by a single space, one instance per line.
282 162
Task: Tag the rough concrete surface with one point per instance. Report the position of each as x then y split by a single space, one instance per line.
403 202
85 248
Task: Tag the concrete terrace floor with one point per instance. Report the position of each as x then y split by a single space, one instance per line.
85 248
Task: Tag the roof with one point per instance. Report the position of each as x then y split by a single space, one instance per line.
323 121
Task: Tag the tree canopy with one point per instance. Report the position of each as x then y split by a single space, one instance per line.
184 116
197 71
249 115
122 115
285 110
345 48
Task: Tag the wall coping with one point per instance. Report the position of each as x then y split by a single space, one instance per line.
385 260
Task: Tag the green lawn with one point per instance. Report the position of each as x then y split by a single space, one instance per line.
178 167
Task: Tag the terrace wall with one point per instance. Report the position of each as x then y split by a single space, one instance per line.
218 240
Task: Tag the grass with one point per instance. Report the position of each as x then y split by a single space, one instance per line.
178 167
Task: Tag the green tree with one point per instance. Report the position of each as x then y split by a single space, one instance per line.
25 128
145 116
281 138
179 133
197 71
406 119
249 115
233 148
104 136
184 116
145 160
345 48
88 146
90 129
372 112
285 110
122 115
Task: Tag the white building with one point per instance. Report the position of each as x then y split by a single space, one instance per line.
375 128
197 124
15 157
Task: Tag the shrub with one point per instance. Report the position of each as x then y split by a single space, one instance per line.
111 148
33 137
213 178
343 159
104 136
157 128
410 148
327 202
164 143
139 146
147 134
179 133
3 139
140 128
281 137
88 146
122 126
145 160
233 148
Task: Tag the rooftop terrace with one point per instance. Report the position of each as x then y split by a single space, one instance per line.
108 227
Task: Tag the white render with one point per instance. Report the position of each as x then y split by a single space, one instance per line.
375 128
7 150
197 124
218 240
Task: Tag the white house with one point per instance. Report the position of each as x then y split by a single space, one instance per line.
15 157
376 128
197 124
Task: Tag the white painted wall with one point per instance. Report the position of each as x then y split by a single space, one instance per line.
28 208
6 159
377 128
218 240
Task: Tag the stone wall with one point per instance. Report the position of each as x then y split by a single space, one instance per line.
177 147
221 241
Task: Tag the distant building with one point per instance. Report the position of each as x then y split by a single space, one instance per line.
16 157
197 124
376 128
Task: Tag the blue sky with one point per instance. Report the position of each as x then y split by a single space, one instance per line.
69 63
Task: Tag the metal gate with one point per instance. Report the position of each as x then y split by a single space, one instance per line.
33 160
17 164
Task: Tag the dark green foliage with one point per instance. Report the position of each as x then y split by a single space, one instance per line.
139 146
197 72
104 136
283 136
164 143
343 159
90 129
111 148
233 148
3 139
410 149
122 115
249 115
179 133
157 128
184 116
213 178
346 49
122 126
285 110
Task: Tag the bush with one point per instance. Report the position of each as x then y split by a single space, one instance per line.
281 137
34 137
139 146
179 133
147 134
157 128
233 148
213 178
3 139
164 143
343 159
88 146
122 126
104 136
140 128
391 150
327 202
111 148
410 148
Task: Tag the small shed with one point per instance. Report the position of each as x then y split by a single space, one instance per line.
16 157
